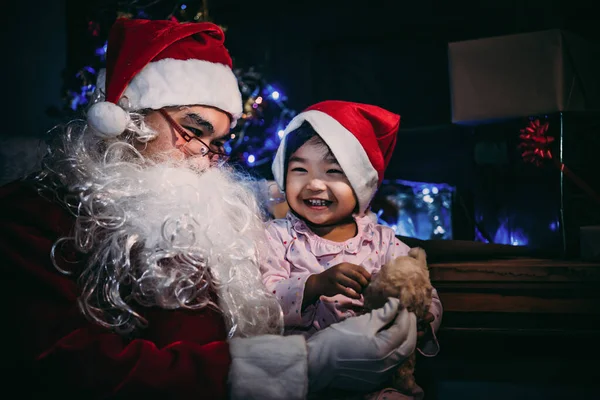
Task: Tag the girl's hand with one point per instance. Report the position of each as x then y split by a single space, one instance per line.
345 278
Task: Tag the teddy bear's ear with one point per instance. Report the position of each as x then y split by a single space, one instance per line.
418 254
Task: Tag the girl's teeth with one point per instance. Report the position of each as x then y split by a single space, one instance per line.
317 203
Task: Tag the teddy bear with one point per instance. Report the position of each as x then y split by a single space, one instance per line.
405 278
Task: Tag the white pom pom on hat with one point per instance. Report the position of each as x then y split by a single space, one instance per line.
178 64
107 119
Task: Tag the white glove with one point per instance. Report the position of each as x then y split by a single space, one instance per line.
268 367
361 353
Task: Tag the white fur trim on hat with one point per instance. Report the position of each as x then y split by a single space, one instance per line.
171 82
346 148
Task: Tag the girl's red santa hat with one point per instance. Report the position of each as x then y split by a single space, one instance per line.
362 138
154 64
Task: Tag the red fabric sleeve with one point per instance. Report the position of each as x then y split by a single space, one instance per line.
49 348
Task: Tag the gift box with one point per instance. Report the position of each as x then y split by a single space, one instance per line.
524 74
535 181
418 210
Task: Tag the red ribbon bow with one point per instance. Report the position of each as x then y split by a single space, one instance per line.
536 149
535 144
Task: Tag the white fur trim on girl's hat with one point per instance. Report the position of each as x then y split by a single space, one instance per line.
362 138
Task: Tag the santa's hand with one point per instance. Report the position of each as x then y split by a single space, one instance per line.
361 353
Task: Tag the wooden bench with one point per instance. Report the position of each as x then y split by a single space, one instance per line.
521 320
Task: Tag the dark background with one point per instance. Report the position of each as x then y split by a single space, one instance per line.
392 53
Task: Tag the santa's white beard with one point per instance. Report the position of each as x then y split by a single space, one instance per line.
167 235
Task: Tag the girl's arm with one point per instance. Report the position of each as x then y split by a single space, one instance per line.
287 287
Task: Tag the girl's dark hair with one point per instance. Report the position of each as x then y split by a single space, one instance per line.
296 139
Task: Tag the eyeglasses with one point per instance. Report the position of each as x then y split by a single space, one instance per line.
194 146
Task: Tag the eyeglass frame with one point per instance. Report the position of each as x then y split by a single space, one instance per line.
223 157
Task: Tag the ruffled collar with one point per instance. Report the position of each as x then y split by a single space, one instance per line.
323 247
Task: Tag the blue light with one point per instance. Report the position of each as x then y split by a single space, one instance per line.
101 51
251 159
275 95
79 98
183 6
506 235
280 133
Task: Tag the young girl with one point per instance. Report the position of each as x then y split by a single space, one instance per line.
322 255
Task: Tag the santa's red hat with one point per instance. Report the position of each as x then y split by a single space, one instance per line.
156 63
362 138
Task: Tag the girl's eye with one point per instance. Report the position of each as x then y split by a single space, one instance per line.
335 171
298 169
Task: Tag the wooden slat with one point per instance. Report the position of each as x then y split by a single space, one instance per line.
493 302
516 270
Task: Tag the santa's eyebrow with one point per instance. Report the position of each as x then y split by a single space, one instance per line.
197 119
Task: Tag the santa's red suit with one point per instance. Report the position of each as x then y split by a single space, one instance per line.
46 337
